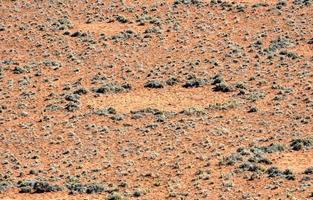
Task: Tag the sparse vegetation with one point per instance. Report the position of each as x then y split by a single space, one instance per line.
183 99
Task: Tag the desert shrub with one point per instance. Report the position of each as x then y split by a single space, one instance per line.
115 196
217 79
113 87
41 187
222 87
275 172
259 159
122 36
52 107
303 2
52 64
193 111
289 54
308 170
72 97
187 2
92 188
280 4
195 82
252 110
4 185
72 106
105 111
117 117
19 70
231 159
60 24
171 81
137 193
254 96
298 144
279 43
25 189
225 105
80 91
243 151
220 84
154 84
272 148
121 19
2 27
248 166
34 186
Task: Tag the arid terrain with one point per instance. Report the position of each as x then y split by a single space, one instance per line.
155 100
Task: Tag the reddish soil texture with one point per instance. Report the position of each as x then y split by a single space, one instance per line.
168 99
